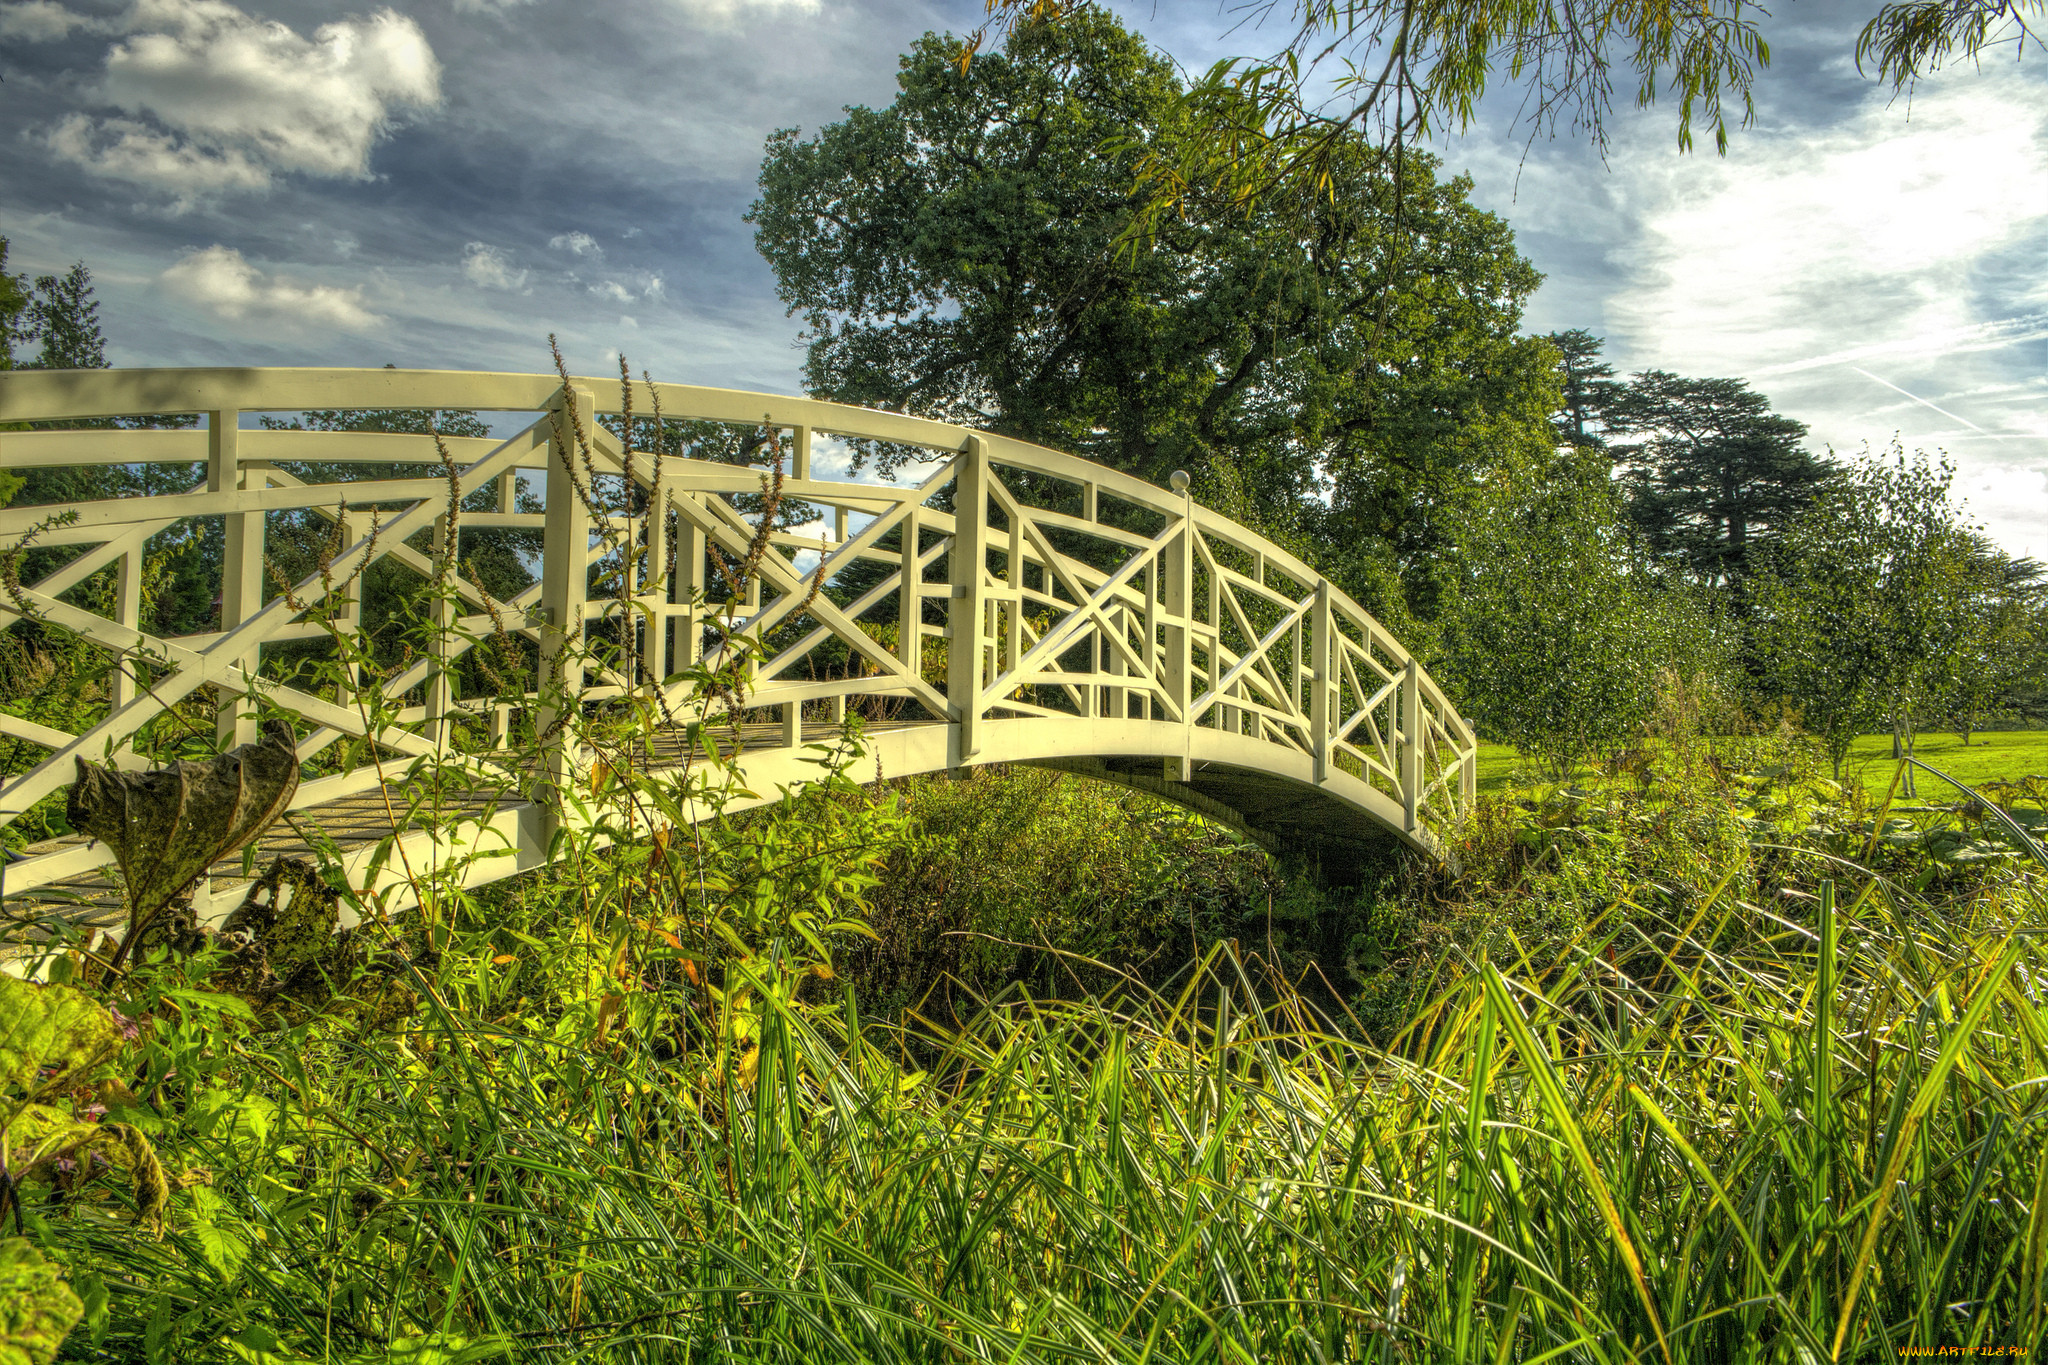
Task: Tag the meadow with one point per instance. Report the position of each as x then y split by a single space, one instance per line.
1991 756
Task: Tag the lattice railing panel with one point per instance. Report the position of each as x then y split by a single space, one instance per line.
1004 581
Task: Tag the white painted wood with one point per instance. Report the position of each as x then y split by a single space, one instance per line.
1201 640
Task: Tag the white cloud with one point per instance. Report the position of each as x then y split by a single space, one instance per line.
219 280
43 21
1871 229
577 244
1873 275
491 267
729 14
211 98
487 6
127 150
644 285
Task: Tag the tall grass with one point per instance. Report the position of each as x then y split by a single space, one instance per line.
1741 1137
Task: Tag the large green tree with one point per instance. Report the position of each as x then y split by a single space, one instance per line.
1590 389
1711 471
1340 369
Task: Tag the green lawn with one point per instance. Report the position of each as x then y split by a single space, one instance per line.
1999 755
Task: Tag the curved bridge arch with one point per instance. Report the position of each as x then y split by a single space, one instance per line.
1010 604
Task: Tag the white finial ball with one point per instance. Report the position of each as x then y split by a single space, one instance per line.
1179 480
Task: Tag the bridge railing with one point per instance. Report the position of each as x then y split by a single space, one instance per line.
999 580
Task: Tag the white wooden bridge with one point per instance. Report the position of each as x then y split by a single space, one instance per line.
1004 603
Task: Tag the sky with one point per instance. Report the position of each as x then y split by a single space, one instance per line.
442 184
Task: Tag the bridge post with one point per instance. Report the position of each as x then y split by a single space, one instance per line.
1412 728
910 598
689 586
1322 645
1177 605
241 579
564 590
654 589
967 605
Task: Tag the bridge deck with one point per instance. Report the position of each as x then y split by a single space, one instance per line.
349 824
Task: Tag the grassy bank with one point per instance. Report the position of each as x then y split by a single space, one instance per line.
1694 1073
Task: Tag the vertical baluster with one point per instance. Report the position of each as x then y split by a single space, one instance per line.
800 468
689 589
1411 745
1468 770
1152 655
241 589
656 590
440 690
1226 716
128 613
501 712
565 587
1297 669
1013 619
1322 682
1177 603
967 604
1116 700
910 598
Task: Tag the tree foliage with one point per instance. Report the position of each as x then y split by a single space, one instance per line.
1559 631
1712 471
1408 69
954 256
1590 388
2002 647
1861 608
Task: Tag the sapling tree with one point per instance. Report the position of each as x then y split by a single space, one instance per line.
2003 645
1560 629
1859 610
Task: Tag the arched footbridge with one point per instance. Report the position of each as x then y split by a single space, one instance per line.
998 602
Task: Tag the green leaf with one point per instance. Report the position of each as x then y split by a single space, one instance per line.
51 1026
37 1309
440 1349
223 1250
213 1000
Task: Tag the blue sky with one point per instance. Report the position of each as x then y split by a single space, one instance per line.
444 183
